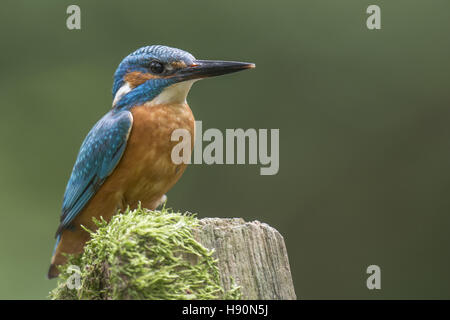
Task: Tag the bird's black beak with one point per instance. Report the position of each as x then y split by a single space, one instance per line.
210 68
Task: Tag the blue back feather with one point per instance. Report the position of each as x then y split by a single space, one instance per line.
98 156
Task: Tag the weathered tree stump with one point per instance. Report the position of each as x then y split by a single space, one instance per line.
144 254
253 254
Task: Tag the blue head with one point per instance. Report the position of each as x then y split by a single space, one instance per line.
160 74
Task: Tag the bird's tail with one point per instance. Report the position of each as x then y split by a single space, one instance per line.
53 270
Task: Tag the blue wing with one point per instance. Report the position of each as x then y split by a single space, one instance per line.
98 156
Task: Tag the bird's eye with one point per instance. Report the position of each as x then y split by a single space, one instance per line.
156 67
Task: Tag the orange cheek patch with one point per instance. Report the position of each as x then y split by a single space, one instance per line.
137 78
178 64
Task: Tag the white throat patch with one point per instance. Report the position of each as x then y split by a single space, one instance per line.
121 92
173 94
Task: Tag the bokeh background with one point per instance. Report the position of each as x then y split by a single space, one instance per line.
363 116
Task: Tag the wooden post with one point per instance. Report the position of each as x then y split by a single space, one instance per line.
252 253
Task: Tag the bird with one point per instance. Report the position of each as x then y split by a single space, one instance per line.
125 160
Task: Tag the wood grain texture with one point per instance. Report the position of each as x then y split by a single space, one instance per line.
252 253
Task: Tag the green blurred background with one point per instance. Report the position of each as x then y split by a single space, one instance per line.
363 116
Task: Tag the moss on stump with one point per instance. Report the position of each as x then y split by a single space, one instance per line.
144 254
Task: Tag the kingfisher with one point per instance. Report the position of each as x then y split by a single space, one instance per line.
126 157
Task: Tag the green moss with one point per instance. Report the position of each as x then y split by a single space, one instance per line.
144 254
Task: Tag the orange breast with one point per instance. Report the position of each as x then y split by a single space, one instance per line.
146 171
144 174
